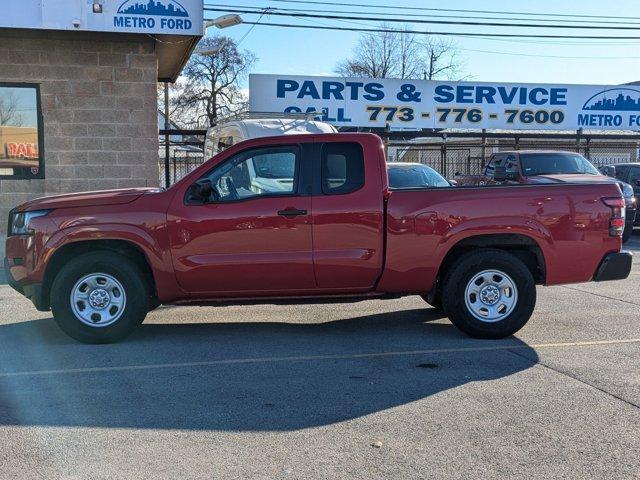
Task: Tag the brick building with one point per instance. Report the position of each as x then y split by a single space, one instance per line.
78 109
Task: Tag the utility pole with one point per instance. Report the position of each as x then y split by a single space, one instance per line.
167 126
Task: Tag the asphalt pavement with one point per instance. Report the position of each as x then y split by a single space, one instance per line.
376 389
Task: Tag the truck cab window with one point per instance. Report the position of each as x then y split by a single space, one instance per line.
511 164
495 161
342 167
269 171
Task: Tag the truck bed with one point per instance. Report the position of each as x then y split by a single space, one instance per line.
568 222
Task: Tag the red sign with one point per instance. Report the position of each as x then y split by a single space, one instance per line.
22 150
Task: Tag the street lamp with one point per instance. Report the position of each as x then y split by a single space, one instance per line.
223 21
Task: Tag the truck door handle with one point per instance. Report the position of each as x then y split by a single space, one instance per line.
291 212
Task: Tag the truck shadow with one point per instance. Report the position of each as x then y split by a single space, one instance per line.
242 376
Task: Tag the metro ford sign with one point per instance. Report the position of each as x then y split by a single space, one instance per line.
164 14
167 17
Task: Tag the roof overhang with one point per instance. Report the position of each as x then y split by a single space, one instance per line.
172 51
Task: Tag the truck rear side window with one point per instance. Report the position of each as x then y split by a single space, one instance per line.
342 166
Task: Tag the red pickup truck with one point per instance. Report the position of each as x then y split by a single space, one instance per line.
303 218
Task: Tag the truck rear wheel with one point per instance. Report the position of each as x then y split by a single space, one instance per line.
99 297
489 294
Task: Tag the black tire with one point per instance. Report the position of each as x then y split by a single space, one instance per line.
461 274
123 269
626 234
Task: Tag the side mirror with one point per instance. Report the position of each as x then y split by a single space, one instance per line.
609 171
453 183
202 192
638 182
500 174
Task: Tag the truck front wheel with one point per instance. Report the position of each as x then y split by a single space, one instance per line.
489 294
99 297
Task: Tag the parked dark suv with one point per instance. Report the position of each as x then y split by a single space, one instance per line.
628 173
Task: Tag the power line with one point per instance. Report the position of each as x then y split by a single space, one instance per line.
448 33
430 15
603 43
436 22
252 26
569 57
397 7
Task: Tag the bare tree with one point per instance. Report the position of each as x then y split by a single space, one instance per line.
9 113
375 56
210 84
400 54
441 60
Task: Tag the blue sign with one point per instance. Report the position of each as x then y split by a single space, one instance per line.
165 14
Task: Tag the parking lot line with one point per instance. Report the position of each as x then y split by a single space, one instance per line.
599 295
314 357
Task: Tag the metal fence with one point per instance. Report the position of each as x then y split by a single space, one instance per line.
451 153
467 153
180 152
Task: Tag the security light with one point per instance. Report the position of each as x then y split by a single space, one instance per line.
97 6
224 21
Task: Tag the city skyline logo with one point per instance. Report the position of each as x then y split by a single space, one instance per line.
160 8
158 15
614 100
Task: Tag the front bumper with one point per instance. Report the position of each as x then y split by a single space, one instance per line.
33 291
614 266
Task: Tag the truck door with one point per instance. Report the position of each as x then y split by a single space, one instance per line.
347 217
254 235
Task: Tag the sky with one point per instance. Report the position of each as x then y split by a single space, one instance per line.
26 107
316 52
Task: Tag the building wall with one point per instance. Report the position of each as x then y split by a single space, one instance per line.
98 97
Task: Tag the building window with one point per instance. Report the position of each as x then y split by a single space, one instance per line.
21 135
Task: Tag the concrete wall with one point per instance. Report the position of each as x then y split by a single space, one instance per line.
99 109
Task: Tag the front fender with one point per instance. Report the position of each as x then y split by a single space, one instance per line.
154 248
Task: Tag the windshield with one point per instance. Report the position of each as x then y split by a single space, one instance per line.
555 163
415 176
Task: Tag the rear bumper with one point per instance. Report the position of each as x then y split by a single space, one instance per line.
614 266
33 291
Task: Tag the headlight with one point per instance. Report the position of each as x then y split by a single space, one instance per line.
19 221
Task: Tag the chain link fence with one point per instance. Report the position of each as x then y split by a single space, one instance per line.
451 154
464 154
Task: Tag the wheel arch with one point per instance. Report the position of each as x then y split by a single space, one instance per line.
524 247
123 247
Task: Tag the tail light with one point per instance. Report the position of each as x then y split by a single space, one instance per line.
617 221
